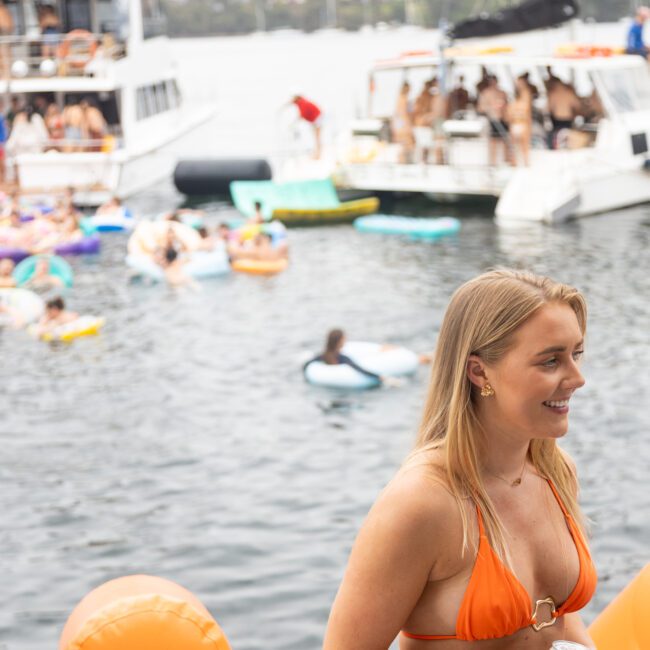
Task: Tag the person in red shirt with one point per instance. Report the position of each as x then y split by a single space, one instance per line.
312 114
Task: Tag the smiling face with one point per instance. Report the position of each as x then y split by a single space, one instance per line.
536 377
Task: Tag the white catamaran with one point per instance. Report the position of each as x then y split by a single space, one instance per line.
114 54
600 166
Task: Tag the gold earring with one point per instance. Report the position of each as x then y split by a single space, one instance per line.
487 391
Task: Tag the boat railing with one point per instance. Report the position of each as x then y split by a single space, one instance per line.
107 144
76 54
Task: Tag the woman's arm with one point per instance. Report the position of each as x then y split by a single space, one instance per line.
390 564
576 630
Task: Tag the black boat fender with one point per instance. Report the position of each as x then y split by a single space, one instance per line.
213 176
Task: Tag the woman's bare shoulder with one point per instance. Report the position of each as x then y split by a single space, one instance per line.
420 492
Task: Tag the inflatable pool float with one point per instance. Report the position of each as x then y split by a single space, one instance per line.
391 361
85 246
24 306
201 265
15 254
416 227
58 267
82 326
344 213
624 624
117 220
260 267
149 236
141 612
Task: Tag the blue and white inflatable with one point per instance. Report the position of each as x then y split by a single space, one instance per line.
385 360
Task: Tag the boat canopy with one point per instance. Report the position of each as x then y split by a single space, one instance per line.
527 16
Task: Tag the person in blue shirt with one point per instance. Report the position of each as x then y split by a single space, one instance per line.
635 44
3 140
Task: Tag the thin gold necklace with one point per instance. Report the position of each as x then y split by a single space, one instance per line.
514 483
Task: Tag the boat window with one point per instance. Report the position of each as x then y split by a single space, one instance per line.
172 93
161 98
627 89
154 21
155 99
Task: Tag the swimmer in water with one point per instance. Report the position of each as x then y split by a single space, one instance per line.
55 315
6 278
332 356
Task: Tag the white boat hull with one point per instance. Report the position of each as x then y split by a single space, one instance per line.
96 176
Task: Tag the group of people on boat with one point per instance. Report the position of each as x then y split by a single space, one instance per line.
512 120
40 124
38 228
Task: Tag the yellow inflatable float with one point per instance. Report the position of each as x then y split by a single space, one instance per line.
141 612
625 624
260 267
82 326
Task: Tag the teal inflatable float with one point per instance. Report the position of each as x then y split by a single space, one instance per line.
416 227
36 265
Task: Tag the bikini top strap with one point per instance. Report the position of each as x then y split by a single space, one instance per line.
479 517
557 498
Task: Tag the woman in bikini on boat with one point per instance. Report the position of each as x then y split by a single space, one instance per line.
479 540
520 119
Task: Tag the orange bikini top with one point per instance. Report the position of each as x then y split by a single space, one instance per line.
496 604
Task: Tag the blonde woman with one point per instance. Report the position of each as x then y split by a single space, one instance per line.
478 542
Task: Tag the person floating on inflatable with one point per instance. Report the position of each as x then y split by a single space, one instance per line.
635 44
7 280
312 114
55 315
332 356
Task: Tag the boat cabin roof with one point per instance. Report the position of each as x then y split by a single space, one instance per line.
587 64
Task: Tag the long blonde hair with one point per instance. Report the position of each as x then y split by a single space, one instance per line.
481 318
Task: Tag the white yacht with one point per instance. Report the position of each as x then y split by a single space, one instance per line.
600 163
115 55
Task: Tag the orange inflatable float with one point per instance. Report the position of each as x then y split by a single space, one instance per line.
624 624
260 267
141 613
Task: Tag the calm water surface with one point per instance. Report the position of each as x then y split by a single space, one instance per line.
184 443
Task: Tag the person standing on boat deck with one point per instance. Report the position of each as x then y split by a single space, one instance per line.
4 134
635 44
492 102
459 99
563 106
48 21
73 122
6 29
422 106
94 124
520 120
312 114
402 124
479 539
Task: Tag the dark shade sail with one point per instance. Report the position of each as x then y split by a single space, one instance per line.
529 15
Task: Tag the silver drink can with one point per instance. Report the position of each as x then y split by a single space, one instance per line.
568 645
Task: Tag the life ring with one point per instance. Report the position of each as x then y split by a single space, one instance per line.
22 306
70 51
139 611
